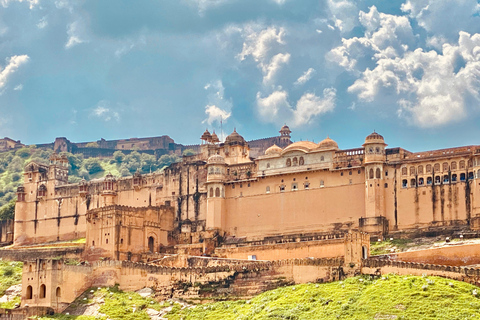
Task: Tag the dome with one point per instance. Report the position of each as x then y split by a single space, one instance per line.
215 137
216 159
206 135
273 150
328 144
234 138
374 138
304 146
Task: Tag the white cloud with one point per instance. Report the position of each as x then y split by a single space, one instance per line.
104 112
218 108
310 106
276 108
259 44
13 63
305 77
75 32
445 19
42 23
344 13
430 88
32 3
270 71
18 88
204 5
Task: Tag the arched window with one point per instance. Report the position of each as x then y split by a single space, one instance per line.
42 191
370 174
420 182
211 192
289 162
437 167
322 158
301 162
30 268
462 164
462 176
478 174
151 244
412 171
322 184
445 167
268 189
454 177
453 165
58 292
413 183
429 181
420 169
282 188
470 163
470 176
428 168
268 165
29 293
437 179
217 192
377 173
295 161
43 291
306 185
404 183
404 171
106 241
446 179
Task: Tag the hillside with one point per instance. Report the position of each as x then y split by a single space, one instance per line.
389 297
13 162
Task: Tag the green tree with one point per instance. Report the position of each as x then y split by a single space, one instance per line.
166 160
23 153
92 165
188 152
118 156
92 145
8 211
74 161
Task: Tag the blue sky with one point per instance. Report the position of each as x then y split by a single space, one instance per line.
116 69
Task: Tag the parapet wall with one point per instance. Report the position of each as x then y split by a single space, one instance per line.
454 255
379 267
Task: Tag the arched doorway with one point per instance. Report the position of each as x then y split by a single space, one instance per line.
58 293
28 296
43 290
364 252
151 244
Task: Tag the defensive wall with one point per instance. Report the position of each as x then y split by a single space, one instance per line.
453 255
6 232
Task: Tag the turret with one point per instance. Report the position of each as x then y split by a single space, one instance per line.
109 190
215 191
236 149
58 169
285 136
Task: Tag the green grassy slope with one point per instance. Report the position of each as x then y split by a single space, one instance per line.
389 297
393 297
10 274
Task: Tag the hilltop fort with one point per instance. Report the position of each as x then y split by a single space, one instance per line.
306 210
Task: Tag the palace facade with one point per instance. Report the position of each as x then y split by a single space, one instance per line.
290 189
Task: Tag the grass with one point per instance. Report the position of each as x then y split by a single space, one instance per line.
386 246
390 297
10 274
114 304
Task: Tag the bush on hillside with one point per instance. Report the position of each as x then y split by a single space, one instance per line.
92 165
7 211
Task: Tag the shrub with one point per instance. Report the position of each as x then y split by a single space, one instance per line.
92 165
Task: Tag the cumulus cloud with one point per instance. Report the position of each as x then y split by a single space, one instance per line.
75 32
276 108
444 19
305 77
344 13
271 70
218 108
104 112
429 88
31 3
259 44
13 63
